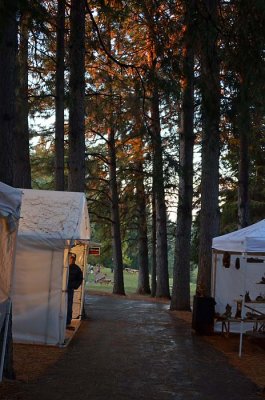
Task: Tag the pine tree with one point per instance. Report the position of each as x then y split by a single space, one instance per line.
210 94
22 167
59 96
76 160
181 276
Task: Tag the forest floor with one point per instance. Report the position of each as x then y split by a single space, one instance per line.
131 349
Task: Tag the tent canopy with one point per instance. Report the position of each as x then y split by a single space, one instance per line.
10 201
53 217
52 224
247 240
230 283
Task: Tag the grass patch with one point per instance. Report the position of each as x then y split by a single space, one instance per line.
130 282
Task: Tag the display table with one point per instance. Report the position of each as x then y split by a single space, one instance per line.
226 324
258 327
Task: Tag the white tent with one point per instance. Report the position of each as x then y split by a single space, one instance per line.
52 225
10 201
247 240
246 248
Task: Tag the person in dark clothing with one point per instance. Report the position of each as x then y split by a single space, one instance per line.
75 279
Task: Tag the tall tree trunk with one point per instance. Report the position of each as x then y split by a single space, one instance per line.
143 276
8 53
8 79
243 167
162 278
22 170
76 175
118 287
246 74
153 273
162 287
181 273
210 92
59 97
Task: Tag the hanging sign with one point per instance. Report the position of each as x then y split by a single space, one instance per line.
94 251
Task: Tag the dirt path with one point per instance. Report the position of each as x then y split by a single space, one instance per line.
133 350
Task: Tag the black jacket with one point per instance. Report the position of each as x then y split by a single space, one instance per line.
75 277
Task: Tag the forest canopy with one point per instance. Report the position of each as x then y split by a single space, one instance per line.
154 109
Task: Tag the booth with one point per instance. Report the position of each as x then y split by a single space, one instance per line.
10 201
53 225
238 277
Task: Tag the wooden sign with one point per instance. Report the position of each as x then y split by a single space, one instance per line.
94 251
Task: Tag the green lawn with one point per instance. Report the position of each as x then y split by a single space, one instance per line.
130 282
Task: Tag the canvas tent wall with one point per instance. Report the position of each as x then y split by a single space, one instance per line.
230 284
10 201
52 225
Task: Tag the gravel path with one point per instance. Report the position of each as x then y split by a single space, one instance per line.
135 350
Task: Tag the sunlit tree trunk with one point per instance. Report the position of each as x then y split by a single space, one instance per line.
181 274
59 97
210 92
118 286
76 162
22 170
162 277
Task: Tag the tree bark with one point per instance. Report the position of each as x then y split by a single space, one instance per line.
162 285
143 275
246 74
8 79
153 273
243 167
8 53
210 92
76 174
180 299
59 97
22 170
162 278
118 286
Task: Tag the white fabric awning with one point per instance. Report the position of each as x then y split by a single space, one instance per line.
53 217
10 200
247 240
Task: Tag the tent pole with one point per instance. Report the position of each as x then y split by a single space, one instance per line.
63 304
214 274
244 257
241 338
4 340
83 283
13 236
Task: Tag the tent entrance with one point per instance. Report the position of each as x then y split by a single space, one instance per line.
80 250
